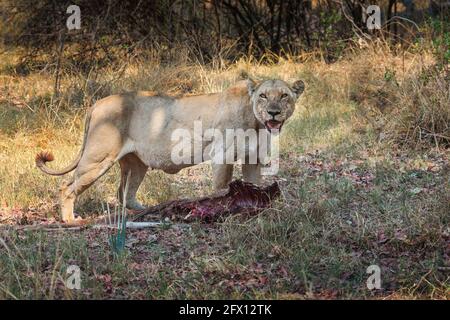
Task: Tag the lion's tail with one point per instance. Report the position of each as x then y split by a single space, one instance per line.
45 156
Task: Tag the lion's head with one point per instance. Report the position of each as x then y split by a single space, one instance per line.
274 101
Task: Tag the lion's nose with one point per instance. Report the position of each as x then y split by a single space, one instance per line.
273 113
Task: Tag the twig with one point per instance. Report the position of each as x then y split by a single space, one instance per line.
58 63
46 227
131 225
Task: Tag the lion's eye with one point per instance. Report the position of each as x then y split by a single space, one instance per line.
284 96
263 96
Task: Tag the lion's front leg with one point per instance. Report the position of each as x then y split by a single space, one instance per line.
222 174
133 171
252 173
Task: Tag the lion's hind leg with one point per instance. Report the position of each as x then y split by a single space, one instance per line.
85 175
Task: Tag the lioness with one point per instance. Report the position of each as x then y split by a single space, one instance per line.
135 130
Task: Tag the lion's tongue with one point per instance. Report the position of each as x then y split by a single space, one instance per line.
272 124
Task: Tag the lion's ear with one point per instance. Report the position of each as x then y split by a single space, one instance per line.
251 86
243 75
298 87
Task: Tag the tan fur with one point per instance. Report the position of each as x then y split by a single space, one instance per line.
135 130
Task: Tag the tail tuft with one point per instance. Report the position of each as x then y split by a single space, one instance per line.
43 157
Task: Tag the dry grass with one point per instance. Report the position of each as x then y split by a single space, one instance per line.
349 198
423 115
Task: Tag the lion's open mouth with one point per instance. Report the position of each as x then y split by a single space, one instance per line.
272 125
